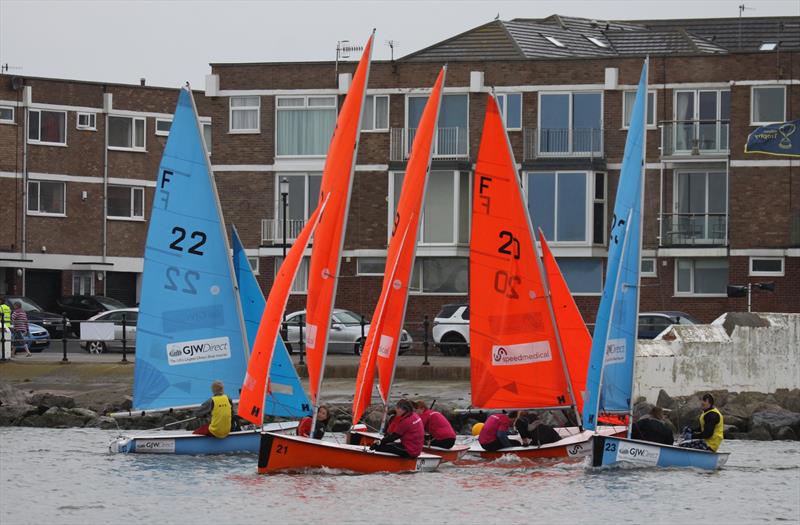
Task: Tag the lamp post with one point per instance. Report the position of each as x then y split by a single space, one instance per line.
284 190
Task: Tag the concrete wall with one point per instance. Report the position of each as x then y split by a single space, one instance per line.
733 353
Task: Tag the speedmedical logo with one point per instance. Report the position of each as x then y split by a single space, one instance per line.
385 346
200 350
521 354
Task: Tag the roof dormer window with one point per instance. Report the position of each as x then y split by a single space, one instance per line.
553 41
596 41
768 46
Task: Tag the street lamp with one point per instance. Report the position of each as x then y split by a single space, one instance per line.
284 189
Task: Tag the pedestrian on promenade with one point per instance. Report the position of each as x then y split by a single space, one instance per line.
19 325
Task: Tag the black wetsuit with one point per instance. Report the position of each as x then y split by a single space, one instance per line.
541 434
651 429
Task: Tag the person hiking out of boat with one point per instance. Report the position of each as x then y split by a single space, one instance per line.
534 431
323 416
495 432
651 427
709 434
19 327
438 430
408 429
220 407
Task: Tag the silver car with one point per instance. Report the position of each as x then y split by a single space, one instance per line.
344 335
115 316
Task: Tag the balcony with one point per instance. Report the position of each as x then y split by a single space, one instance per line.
272 230
683 138
562 143
450 144
694 229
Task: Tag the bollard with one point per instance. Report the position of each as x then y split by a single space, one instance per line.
300 341
3 337
425 326
64 337
124 339
363 340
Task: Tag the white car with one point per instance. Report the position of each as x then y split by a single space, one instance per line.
115 316
451 329
344 335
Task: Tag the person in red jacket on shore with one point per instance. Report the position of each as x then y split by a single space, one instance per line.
438 430
408 428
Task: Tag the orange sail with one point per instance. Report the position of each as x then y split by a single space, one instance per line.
337 181
251 398
575 337
387 320
515 358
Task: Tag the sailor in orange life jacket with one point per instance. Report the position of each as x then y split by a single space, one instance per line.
438 430
220 407
304 428
408 428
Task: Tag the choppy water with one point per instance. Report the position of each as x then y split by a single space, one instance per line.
66 476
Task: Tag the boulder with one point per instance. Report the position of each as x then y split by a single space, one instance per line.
664 401
786 434
55 417
11 415
729 430
641 409
686 413
84 412
774 420
104 422
48 400
9 395
758 433
788 399
741 424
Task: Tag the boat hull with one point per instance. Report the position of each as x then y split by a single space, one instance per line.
574 444
448 455
281 453
180 443
610 451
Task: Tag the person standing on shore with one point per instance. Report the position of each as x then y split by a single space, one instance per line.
220 406
438 430
709 435
19 325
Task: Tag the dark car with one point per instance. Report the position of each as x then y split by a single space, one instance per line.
81 307
52 322
653 323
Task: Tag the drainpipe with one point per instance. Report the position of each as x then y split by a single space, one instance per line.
26 100
107 105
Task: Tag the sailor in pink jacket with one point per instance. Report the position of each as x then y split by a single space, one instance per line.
408 428
439 432
495 431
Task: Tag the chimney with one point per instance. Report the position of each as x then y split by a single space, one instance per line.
141 81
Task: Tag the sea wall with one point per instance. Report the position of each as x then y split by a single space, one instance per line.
738 352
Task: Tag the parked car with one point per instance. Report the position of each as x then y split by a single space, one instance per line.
80 307
115 316
653 323
36 314
37 339
451 329
344 335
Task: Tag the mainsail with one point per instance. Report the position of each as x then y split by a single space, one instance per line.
387 320
189 330
609 383
515 357
285 395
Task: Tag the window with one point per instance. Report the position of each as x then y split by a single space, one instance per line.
207 136
768 104
701 277
370 265
83 283
440 275
245 115
446 210
558 204
768 46
301 202
125 202
648 268
554 41
87 121
702 120
766 267
584 276
376 113
304 125
300 284
700 208
162 126
46 197
628 99
7 115
570 122
126 133
511 109
596 41
452 133
47 127
599 209
254 264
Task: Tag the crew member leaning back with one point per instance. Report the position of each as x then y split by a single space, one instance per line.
220 406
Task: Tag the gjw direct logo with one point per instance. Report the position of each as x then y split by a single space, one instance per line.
200 350
520 354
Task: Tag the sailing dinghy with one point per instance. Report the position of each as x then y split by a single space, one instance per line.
609 383
518 352
190 329
282 452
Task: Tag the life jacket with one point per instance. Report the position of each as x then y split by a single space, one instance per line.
716 438
5 310
221 414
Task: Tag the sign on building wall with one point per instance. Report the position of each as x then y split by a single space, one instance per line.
781 139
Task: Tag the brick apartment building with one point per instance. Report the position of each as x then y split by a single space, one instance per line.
714 215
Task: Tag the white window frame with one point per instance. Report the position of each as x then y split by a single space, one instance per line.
133 147
42 142
81 275
376 129
12 120
307 211
571 129
255 263
553 40
231 110
204 126
435 146
305 106
599 200
757 273
596 41
417 289
693 293
654 125
588 228
768 45
38 183
162 133
504 96
131 217
358 267
753 121
92 121
302 271
654 273
676 202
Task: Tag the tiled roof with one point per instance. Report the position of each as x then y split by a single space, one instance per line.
725 32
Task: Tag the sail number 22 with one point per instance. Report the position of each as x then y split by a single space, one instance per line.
180 234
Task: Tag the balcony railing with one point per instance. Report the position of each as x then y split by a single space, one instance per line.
694 137
694 229
450 143
272 230
558 143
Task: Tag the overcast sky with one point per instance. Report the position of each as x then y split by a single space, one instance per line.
170 42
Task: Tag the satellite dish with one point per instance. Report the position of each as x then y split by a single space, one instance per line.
16 83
